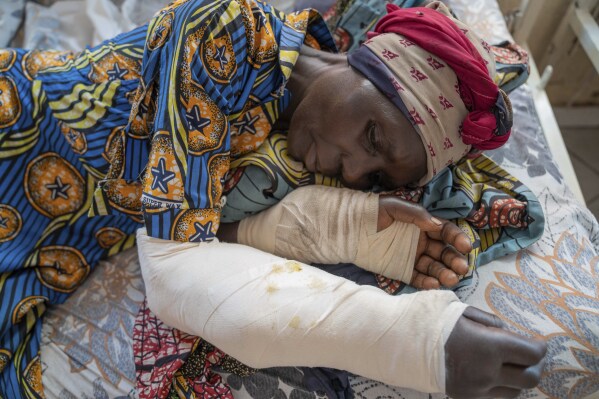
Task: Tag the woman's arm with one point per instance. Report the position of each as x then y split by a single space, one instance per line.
267 311
382 234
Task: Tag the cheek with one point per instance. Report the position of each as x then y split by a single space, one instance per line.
298 135
323 116
308 118
335 123
294 139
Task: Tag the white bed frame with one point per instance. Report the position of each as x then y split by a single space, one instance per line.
551 129
580 20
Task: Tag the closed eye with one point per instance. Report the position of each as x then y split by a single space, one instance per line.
373 139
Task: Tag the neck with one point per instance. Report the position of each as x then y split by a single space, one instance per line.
310 64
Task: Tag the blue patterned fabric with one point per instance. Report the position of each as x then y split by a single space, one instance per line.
212 84
53 135
359 17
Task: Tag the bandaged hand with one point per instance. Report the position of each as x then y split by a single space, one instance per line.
384 235
269 312
442 246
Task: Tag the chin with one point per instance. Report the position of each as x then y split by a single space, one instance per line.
292 150
294 147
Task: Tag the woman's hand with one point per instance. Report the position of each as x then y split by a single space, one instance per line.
328 225
442 246
484 360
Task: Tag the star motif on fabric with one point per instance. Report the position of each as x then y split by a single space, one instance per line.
117 72
159 30
72 136
260 21
143 107
161 176
195 120
56 266
201 232
221 56
59 189
3 222
247 124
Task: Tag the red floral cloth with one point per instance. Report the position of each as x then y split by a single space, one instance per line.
160 352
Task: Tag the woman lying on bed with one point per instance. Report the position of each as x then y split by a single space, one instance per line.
213 80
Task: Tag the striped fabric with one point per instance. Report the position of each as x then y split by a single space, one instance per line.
212 85
52 144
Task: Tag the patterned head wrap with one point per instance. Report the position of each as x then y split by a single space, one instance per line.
440 75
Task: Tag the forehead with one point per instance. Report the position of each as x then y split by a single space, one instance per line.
368 102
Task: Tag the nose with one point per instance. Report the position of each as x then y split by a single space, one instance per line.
329 160
356 174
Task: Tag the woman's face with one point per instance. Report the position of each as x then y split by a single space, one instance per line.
346 128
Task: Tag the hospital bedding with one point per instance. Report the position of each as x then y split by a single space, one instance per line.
550 290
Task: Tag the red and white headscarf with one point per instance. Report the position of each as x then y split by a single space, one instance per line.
440 74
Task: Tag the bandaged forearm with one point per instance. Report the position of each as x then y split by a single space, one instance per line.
269 312
317 224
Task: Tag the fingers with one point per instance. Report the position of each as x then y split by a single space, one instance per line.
520 377
523 351
409 212
482 317
513 379
452 235
485 360
437 229
424 282
449 256
430 267
516 349
537 369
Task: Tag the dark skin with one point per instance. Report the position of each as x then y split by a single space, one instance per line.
365 140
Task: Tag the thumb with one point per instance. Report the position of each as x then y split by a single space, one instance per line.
407 212
482 317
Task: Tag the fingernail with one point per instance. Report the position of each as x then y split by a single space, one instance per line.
436 221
